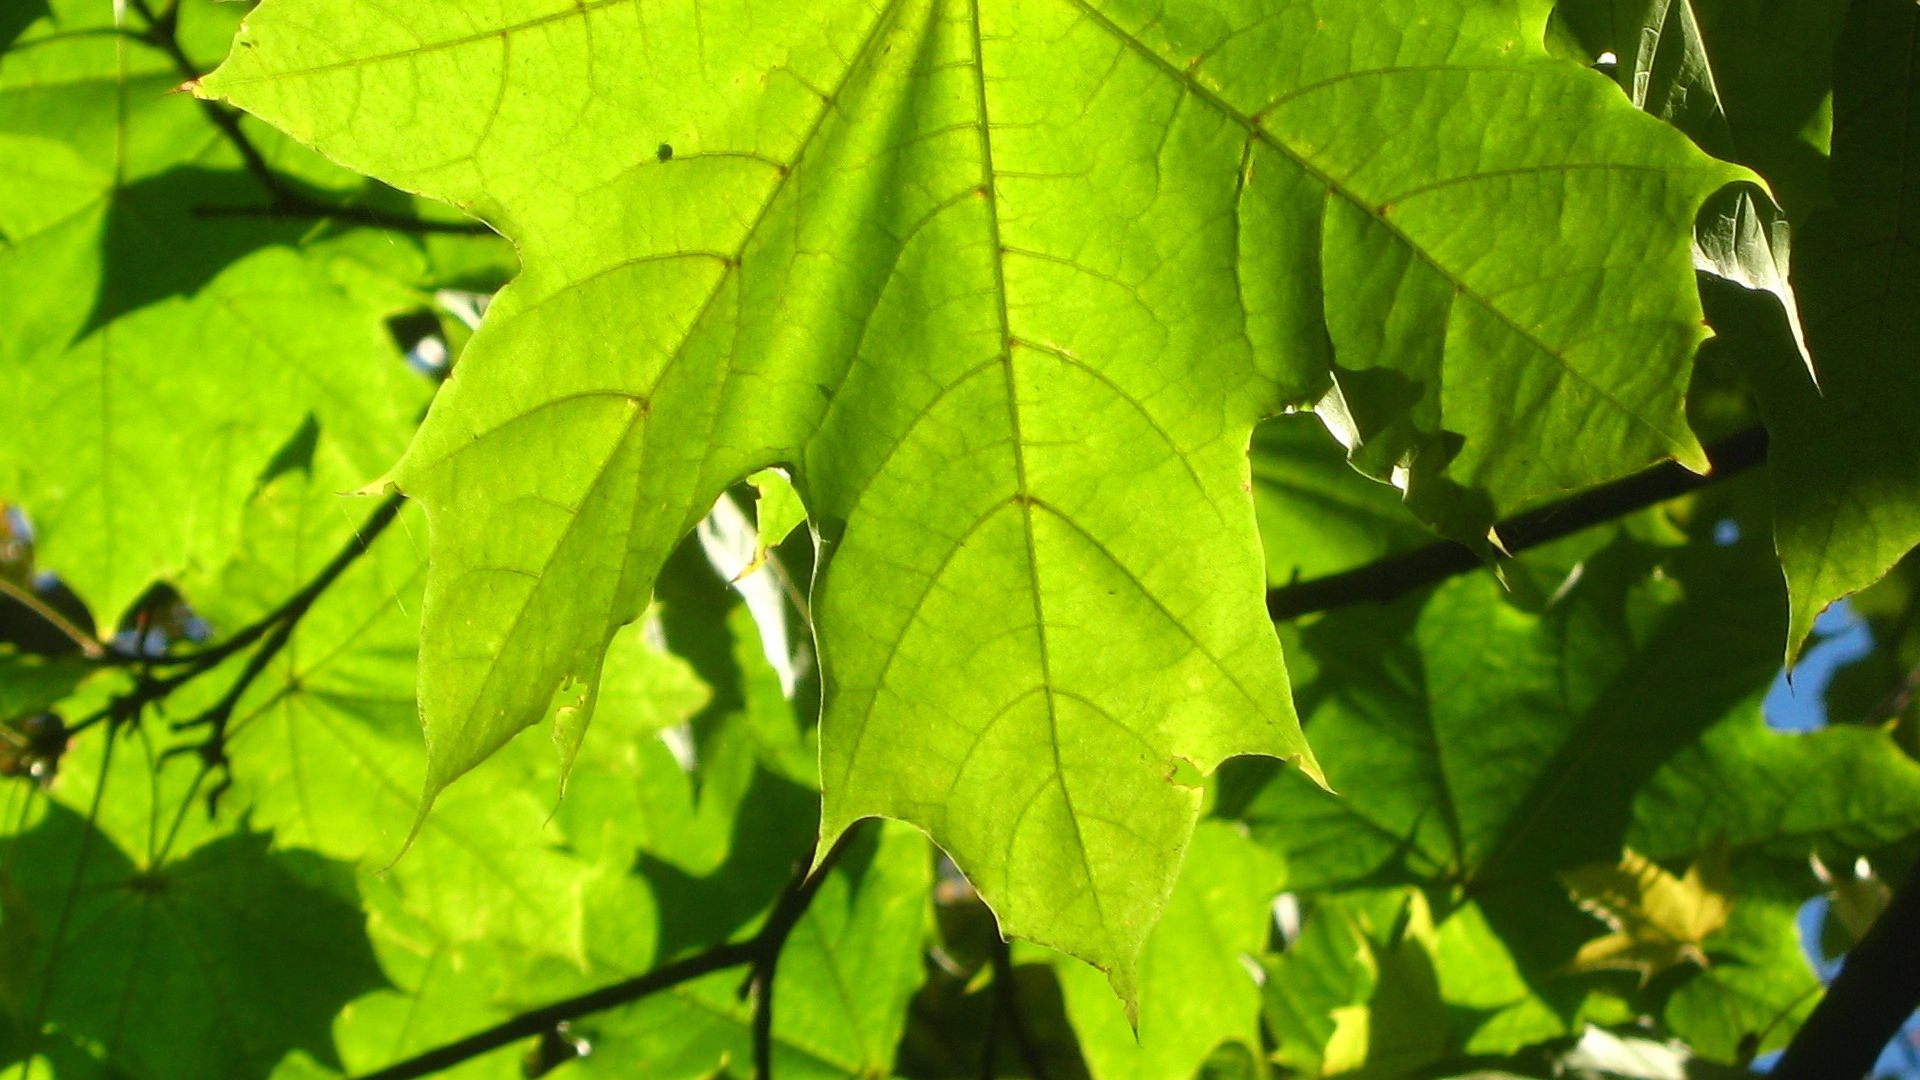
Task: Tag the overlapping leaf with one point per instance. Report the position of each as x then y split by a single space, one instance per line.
1197 989
149 969
167 324
1005 285
1752 83
1502 746
1847 456
1748 81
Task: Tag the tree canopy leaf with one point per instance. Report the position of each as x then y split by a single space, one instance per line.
950 276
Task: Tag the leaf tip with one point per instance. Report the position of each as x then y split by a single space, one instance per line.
832 828
427 796
1802 612
1310 767
1125 987
1691 455
387 483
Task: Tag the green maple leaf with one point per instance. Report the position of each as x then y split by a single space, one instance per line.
1004 285
1847 454
1747 81
1656 920
151 964
136 306
1196 990
1750 83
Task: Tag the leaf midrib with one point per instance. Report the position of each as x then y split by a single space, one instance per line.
1259 132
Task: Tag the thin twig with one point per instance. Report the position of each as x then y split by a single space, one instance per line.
538 1021
277 627
161 34
284 201
760 953
295 606
772 940
290 206
1390 578
280 623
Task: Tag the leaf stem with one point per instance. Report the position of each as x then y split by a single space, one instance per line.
1390 578
37 1030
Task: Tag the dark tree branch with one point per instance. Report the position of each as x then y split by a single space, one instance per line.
1397 575
1876 991
294 607
761 954
287 205
285 201
772 939
542 1020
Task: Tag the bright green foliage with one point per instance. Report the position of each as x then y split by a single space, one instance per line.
136 311
158 963
1064 328
777 508
1503 748
1196 984
898 299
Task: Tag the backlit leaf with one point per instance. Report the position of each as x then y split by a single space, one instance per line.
1658 920
959 267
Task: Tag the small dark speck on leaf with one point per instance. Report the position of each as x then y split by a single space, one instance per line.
665 152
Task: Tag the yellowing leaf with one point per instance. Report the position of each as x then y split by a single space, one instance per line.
1658 921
